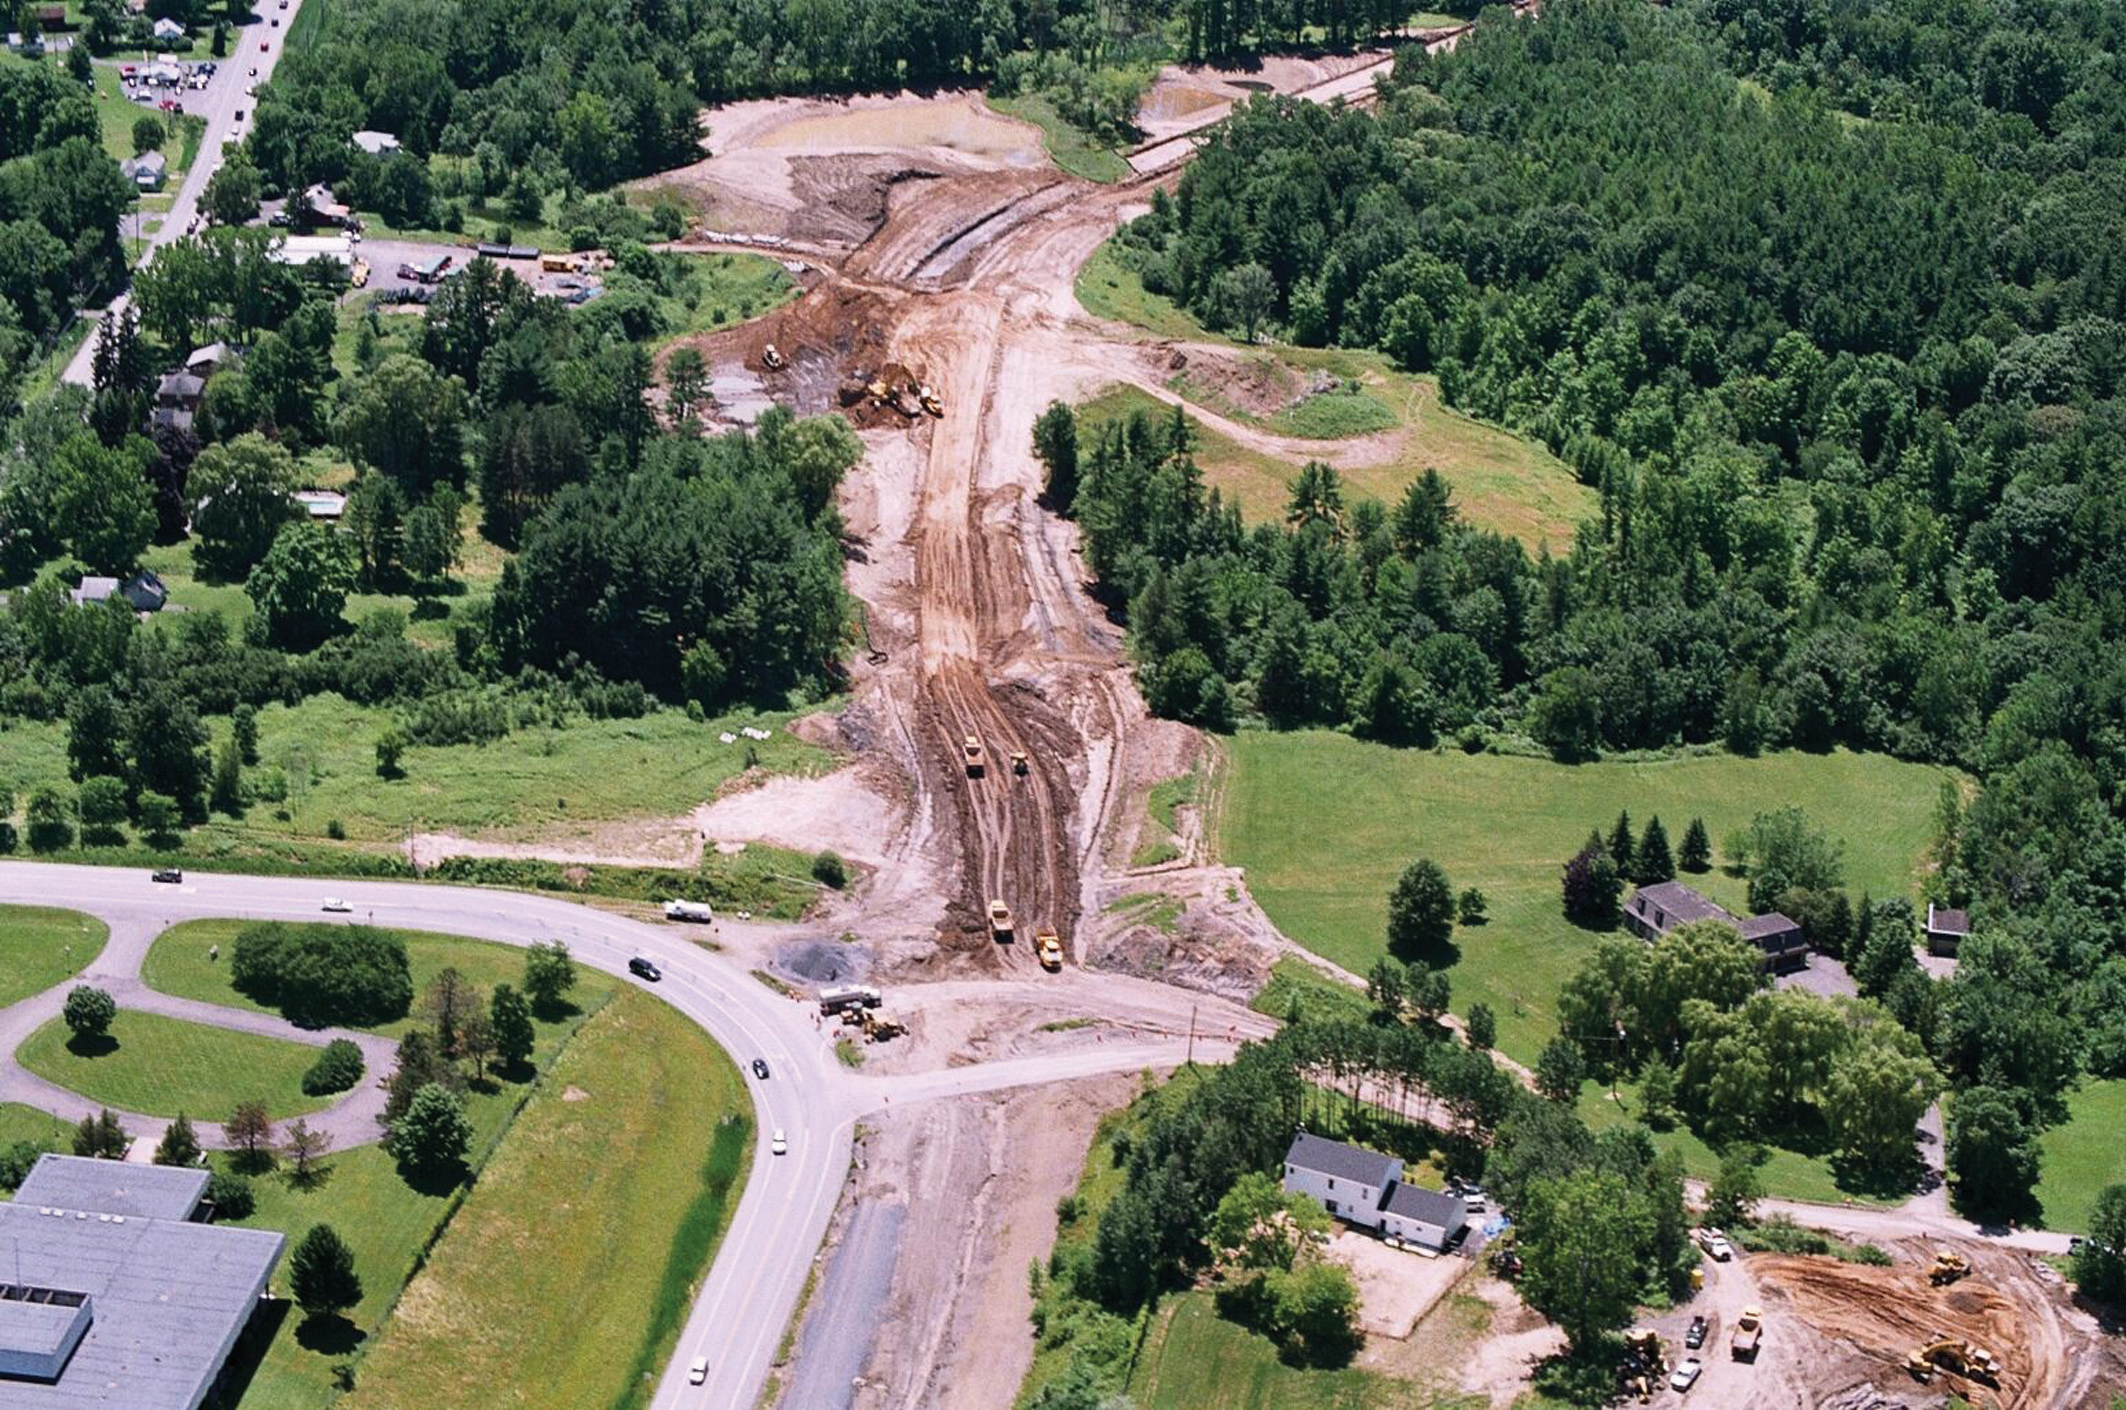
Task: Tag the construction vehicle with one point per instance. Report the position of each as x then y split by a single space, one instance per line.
878 391
876 1027
358 276
930 401
839 997
972 748
1643 1362
1049 947
1948 1267
771 358
1000 920
1956 1356
1018 762
1749 1332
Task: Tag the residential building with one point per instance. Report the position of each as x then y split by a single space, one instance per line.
204 362
147 172
376 144
180 389
1652 911
144 592
169 31
115 1295
1946 930
1366 1188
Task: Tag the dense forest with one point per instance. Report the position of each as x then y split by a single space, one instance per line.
61 197
1825 301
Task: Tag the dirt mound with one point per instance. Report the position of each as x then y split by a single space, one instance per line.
823 961
1887 1312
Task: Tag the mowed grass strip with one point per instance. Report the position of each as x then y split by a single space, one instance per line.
563 1278
27 1123
1323 824
1194 1359
161 1066
180 963
42 945
2083 1154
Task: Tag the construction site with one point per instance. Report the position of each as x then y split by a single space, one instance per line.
1003 756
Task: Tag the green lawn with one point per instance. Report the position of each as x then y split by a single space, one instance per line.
1787 1174
1324 823
27 1123
386 1222
727 289
1073 149
41 946
1108 288
178 964
620 1177
162 1066
1194 1359
2083 1154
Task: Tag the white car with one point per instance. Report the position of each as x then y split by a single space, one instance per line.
698 1372
1715 1245
1686 1374
338 907
780 1145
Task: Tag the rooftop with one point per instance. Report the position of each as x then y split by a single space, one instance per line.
112 1187
1343 1162
1683 903
1430 1206
1770 923
1947 922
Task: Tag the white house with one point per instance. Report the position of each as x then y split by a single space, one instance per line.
169 30
376 144
1366 1188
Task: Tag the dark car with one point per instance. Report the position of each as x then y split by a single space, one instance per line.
170 874
760 1068
643 969
1695 1337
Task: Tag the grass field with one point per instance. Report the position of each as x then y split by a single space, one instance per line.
162 1066
27 1123
1788 1174
178 964
2083 1154
1323 824
387 1222
1194 1359
41 946
1501 480
729 289
637 1132
1070 147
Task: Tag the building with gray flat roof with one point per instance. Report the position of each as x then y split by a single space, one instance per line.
114 1310
114 1187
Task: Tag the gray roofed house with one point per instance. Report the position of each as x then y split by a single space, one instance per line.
1431 1219
114 1187
1366 1188
1946 929
143 591
1353 1163
205 362
180 389
1652 911
92 589
147 171
167 28
376 144
104 1308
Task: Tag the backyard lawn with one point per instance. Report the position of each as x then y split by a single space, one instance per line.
622 1172
41 946
27 1123
162 1066
1193 1359
2083 1154
1324 823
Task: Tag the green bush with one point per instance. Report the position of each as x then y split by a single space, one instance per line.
231 1195
828 869
322 976
337 1069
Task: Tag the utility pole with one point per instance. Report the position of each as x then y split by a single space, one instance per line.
1190 1060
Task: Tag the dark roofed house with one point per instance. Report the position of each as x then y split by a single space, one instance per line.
180 389
113 1296
1946 929
144 591
1652 911
1366 1188
1428 1218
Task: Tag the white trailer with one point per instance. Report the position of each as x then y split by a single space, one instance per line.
698 911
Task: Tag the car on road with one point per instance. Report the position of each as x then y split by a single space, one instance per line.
781 1144
698 1370
644 969
336 906
169 874
760 1068
1715 1245
1686 1375
1695 1337
254 70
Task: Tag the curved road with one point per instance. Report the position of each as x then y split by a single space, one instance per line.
760 1268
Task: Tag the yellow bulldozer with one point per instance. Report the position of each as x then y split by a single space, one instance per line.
930 400
1956 1356
1948 1267
1644 1362
771 358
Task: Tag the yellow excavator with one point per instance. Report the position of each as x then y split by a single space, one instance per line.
1644 1362
1948 1267
1956 1356
931 401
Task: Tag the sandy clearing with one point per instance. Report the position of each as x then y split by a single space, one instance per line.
840 810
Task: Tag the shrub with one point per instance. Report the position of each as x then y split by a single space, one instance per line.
321 976
16 1160
89 1011
828 869
231 1195
337 1069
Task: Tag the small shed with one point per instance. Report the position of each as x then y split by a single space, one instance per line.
1946 930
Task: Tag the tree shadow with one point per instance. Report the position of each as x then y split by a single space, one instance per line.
328 1334
433 1181
559 1011
514 1073
315 1178
1897 1180
91 1045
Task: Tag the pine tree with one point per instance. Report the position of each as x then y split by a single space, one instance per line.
1655 862
1620 846
179 1146
321 1273
509 1016
1697 852
227 794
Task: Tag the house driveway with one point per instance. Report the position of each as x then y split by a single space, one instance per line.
355 1119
